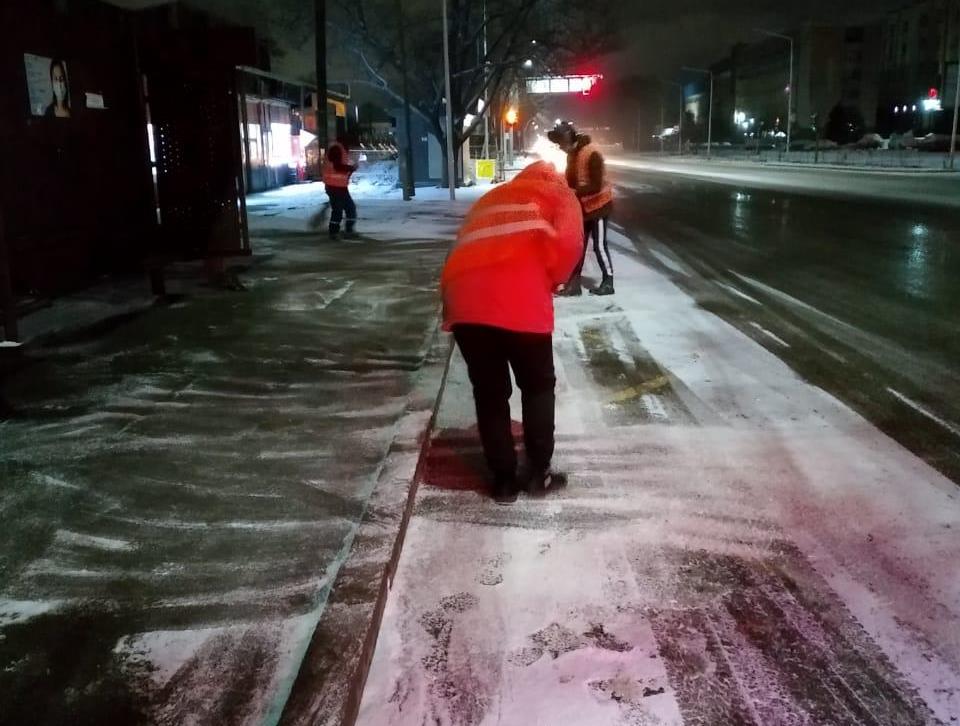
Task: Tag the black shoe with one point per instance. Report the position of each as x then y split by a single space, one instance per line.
606 288
334 231
571 291
542 483
505 490
350 234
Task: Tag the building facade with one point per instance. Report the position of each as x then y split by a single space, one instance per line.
918 66
832 67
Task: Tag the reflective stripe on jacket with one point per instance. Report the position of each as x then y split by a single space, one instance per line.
592 202
517 243
332 177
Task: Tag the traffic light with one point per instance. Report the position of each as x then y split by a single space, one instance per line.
511 116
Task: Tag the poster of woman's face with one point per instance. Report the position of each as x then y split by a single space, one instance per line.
48 84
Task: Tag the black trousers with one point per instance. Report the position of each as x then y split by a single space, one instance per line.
340 202
490 353
595 229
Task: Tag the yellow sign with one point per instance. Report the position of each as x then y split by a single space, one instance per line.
486 168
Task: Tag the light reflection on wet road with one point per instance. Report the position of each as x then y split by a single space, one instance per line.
859 296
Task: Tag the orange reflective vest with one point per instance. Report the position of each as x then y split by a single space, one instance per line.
332 177
592 202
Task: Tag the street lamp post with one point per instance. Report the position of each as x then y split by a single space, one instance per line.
789 39
710 111
451 172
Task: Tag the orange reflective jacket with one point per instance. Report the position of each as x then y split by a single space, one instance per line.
517 243
592 202
332 177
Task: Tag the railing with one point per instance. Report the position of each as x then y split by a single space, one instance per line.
378 152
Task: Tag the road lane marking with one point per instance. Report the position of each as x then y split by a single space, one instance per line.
738 293
794 301
654 406
952 428
668 263
773 336
651 386
834 355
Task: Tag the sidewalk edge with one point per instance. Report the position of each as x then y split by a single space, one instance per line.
329 685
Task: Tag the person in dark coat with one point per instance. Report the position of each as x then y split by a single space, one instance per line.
517 244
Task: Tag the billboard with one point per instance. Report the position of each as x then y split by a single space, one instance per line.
48 86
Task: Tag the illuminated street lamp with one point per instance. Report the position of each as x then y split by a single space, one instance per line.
511 116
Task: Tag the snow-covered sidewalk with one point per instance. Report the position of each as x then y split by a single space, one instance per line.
735 546
183 482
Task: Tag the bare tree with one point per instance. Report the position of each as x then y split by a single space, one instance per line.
554 34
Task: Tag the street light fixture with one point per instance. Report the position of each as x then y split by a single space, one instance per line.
710 112
789 39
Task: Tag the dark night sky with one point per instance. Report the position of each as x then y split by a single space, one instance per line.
659 36
664 35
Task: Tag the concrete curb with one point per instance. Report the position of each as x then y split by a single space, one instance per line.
330 682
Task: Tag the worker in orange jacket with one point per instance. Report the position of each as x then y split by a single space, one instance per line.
518 243
337 171
586 174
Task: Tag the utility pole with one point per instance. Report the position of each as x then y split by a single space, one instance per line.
323 133
451 171
789 39
710 112
409 188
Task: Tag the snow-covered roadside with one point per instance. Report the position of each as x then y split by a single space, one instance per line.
735 546
187 488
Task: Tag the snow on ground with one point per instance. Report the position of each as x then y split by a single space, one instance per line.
736 546
184 487
919 187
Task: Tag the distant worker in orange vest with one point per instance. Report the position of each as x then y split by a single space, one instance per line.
586 175
336 178
518 243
